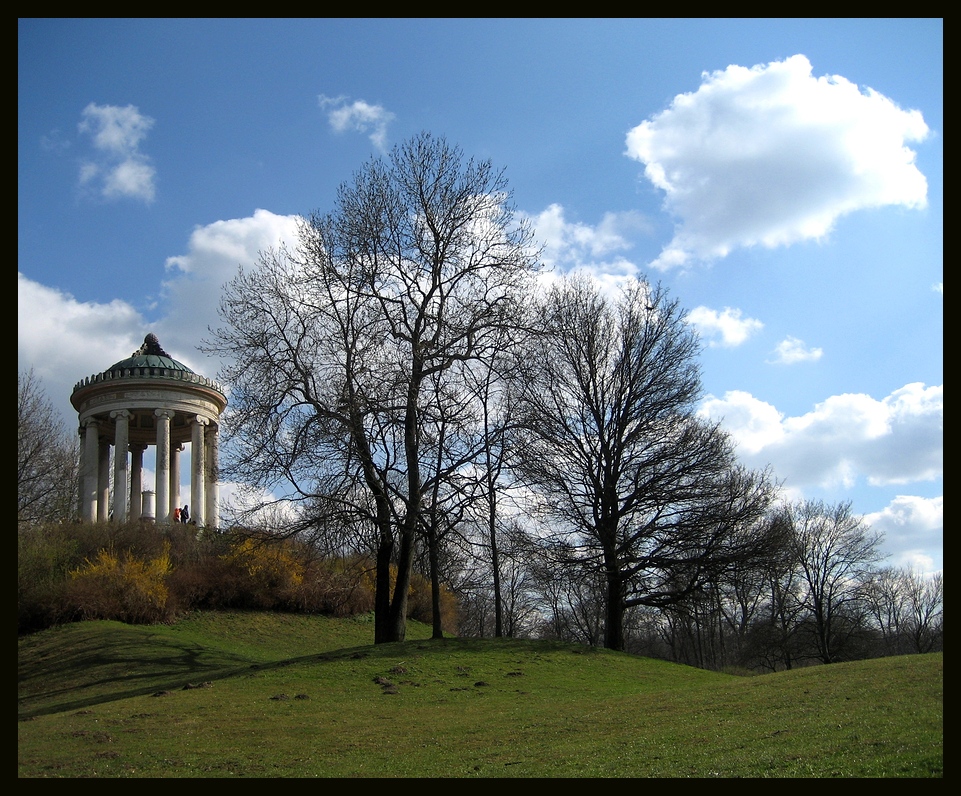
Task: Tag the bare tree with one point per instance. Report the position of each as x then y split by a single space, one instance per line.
886 596
774 637
572 600
643 491
925 611
335 345
489 383
511 586
451 445
834 550
47 457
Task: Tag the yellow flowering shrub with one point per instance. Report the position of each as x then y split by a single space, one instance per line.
121 586
267 573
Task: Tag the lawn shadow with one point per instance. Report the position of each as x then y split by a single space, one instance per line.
107 664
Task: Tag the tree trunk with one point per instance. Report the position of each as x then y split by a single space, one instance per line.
437 624
492 534
397 619
614 613
382 624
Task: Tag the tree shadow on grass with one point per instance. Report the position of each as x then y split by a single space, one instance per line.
84 666
89 663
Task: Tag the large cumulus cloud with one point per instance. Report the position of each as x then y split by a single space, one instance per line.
63 339
771 155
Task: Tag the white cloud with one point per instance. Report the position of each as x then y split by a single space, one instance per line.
196 279
895 440
65 340
119 169
359 116
913 527
772 155
130 178
570 246
791 351
753 423
726 328
115 129
571 242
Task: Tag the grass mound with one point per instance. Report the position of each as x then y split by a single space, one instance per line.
270 695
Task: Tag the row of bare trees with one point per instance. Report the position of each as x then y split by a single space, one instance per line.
825 599
402 366
822 597
405 373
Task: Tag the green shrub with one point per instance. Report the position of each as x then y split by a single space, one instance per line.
45 554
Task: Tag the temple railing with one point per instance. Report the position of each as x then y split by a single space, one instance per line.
166 374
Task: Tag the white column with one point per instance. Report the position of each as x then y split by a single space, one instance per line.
212 476
103 480
175 451
136 480
163 464
78 484
197 470
88 469
149 507
120 467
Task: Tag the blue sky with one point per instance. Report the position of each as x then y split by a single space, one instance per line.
782 178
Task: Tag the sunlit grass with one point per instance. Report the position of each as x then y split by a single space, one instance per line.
283 696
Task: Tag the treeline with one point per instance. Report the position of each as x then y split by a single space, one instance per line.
805 610
820 593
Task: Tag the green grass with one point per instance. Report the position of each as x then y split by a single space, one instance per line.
296 696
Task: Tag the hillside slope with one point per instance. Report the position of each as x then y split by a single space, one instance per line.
264 695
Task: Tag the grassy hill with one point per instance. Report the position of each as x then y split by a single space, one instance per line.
273 695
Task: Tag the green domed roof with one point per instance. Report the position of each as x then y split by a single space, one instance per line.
149 355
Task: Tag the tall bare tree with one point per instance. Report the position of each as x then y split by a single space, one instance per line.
926 611
47 457
887 599
333 346
643 491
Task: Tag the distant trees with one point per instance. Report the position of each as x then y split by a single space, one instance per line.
342 349
907 609
638 489
819 599
925 620
47 457
834 551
